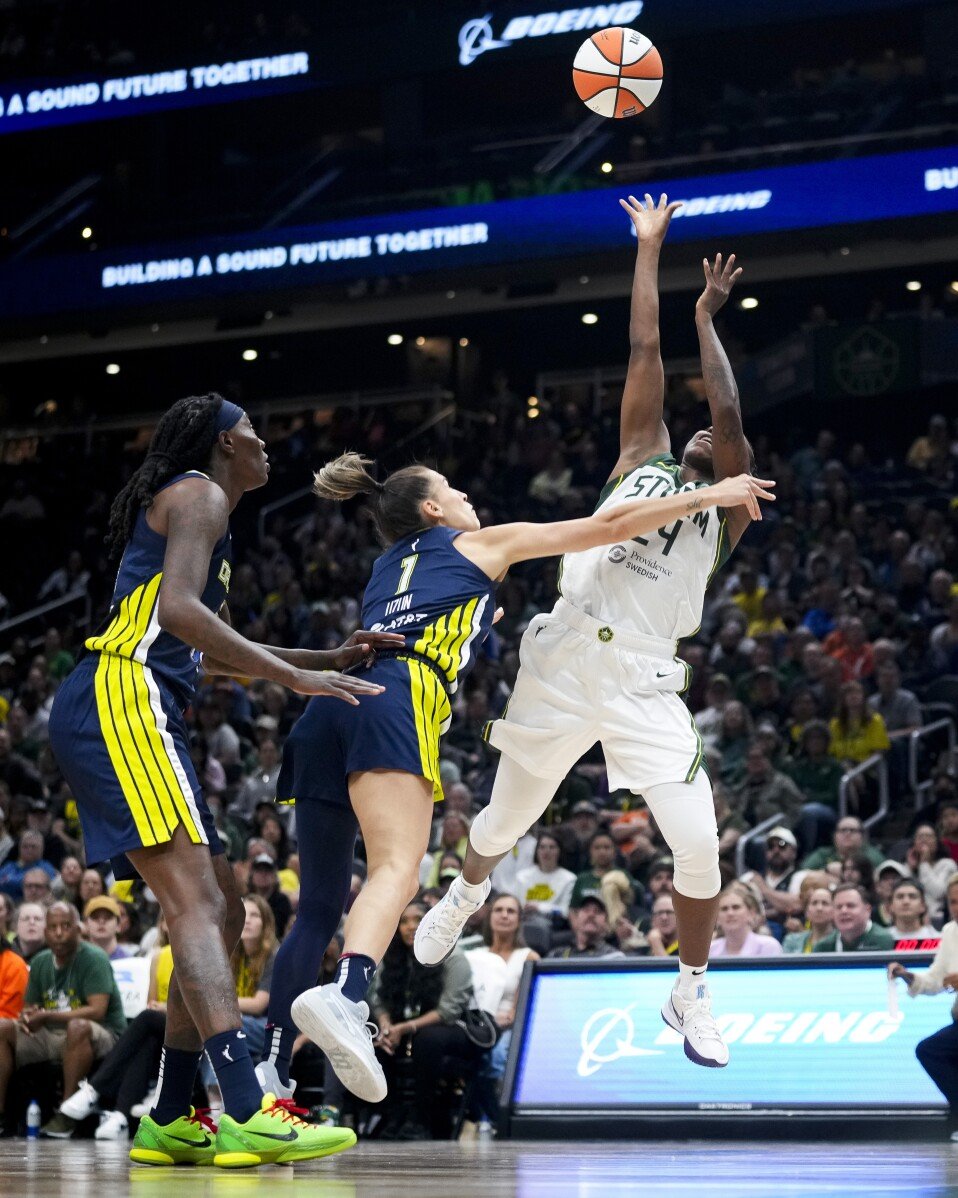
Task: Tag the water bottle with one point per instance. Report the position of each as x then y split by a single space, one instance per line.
33 1120
484 1130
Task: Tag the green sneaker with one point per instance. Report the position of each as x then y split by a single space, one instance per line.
189 1140
276 1135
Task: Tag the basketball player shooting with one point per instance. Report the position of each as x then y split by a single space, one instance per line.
602 665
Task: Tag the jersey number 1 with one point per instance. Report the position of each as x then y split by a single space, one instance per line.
408 565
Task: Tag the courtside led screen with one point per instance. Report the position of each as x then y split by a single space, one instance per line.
803 1034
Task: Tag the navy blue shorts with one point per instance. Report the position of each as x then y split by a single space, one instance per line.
397 730
121 743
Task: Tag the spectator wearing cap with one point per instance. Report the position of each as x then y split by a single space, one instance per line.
263 880
101 921
709 719
885 878
931 863
29 856
814 770
766 791
576 833
780 882
589 918
854 929
260 785
615 885
848 839
909 912
818 920
40 819
738 910
658 879
938 1053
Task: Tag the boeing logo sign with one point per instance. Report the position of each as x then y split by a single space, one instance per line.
477 36
803 1034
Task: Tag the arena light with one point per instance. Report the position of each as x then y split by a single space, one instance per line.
748 303
420 341
606 168
953 287
394 339
450 295
86 233
112 368
463 342
913 285
532 413
583 279
533 401
250 355
589 318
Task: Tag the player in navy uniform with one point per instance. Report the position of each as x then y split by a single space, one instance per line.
118 733
378 763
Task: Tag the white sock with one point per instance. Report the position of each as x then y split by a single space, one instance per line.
472 893
692 980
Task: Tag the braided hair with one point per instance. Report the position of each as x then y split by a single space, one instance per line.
183 440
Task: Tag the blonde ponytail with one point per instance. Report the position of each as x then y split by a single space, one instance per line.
345 477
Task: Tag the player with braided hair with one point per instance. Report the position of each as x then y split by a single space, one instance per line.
120 739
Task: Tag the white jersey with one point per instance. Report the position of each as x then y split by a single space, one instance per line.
653 585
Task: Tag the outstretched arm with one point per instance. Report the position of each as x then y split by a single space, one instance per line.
730 452
642 433
495 549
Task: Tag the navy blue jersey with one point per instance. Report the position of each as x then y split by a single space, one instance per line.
133 631
443 604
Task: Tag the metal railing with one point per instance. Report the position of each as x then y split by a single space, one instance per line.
756 833
19 625
915 738
877 763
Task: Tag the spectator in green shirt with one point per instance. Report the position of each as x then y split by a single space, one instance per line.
813 769
854 930
72 1009
848 840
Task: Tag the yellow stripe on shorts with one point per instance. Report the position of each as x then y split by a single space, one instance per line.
426 691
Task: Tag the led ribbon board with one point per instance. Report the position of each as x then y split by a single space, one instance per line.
807 1034
719 209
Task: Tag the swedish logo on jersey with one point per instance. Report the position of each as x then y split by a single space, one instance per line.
225 574
618 553
605 635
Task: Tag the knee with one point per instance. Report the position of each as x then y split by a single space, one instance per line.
403 877
78 1030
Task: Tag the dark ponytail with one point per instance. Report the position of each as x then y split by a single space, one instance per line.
183 440
396 504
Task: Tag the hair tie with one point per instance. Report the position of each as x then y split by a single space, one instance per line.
380 487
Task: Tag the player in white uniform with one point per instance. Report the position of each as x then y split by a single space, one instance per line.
602 665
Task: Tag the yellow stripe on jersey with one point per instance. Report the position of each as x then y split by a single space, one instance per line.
134 744
443 641
129 626
108 728
426 690
159 766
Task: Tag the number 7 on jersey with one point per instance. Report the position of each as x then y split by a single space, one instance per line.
408 565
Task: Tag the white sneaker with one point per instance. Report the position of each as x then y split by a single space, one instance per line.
441 927
145 1105
269 1081
693 1019
113 1126
340 1028
81 1104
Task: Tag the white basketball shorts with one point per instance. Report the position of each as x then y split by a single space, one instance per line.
580 682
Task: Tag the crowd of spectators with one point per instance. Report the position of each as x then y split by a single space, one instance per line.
823 642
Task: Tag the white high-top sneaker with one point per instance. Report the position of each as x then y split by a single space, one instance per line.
441 927
341 1029
692 1018
113 1126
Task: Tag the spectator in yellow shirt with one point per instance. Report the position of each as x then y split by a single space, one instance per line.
749 595
856 732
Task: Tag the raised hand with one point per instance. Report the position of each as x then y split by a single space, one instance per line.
719 281
745 491
650 220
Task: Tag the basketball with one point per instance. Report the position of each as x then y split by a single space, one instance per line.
617 72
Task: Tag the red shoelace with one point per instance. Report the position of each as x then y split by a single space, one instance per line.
203 1118
289 1112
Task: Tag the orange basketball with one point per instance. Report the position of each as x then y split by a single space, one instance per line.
617 72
